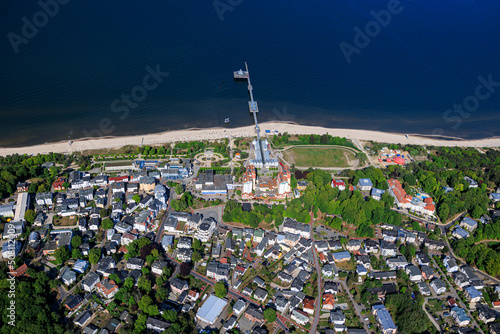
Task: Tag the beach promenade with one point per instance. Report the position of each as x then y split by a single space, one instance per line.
247 131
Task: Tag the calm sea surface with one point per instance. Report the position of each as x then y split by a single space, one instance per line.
63 81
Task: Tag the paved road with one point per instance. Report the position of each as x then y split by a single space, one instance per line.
434 322
454 294
159 232
357 309
318 299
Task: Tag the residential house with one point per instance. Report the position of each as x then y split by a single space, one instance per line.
424 288
438 286
73 301
155 325
390 235
135 263
178 286
337 184
337 317
460 233
398 262
184 254
469 224
450 264
472 295
384 319
260 295
68 277
328 301
105 265
254 314
377 193
331 287
460 279
414 273
423 259
294 227
107 288
371 246
365 184
82 319
157 267
387 248
354 245
427 272
335 245
486 314
341 256
460 316
300 317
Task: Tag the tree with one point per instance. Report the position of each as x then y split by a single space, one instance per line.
196 256
107 224
185 269
76 241
170 316
196 244
270 315
103 212
136 198
144 284
94 255
30 216
76 253
62 254
220 289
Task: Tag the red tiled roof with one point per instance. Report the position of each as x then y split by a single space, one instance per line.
309 303
21 271
328 299
398 190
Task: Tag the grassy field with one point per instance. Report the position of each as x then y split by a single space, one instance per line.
64 221
319 157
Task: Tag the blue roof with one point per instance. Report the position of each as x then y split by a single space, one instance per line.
365 182
461 232
377 192
495 195
469 221
473 293
342 255
384 317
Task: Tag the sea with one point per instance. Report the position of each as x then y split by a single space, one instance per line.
71 69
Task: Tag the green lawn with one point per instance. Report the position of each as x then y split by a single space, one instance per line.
319 156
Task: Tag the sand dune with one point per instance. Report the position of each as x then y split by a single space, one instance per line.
216 133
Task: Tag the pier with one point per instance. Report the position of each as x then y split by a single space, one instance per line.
252 104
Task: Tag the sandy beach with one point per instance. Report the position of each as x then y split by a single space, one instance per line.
247 131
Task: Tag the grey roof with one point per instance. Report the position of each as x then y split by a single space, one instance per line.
211 309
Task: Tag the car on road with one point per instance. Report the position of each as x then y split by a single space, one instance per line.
366 319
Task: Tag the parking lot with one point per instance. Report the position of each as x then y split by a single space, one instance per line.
326 233
214 212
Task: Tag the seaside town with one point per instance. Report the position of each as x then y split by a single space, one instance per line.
281 234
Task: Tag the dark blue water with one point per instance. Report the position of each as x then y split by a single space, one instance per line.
62 82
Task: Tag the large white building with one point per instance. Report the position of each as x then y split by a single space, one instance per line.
206 229
211 309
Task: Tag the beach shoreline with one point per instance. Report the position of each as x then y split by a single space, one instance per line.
194 134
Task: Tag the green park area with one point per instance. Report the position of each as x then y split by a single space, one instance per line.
320 157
